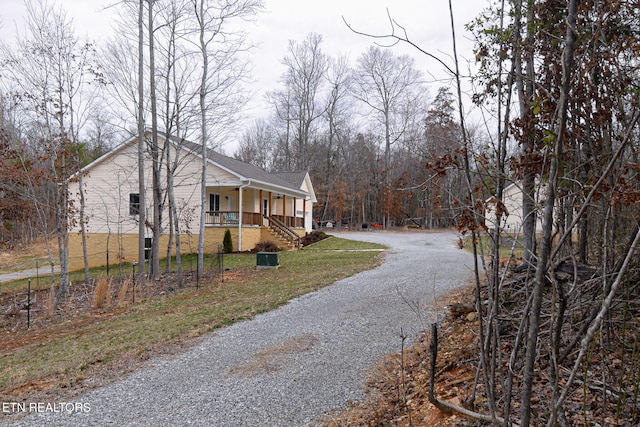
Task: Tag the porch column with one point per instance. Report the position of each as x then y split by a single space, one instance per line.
261 208
304 214
284 209
240 218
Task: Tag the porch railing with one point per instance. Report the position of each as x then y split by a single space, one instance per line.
229 218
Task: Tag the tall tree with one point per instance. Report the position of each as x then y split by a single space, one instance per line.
338 113
50 70
142 222
156 154
392 88
219 44
299 105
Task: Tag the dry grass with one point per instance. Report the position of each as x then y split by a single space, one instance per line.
102 293
24 257
122 294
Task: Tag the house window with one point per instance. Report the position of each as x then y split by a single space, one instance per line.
134 204
214 202
147 248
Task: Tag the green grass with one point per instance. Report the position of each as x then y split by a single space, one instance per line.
67 352
333 243
485 246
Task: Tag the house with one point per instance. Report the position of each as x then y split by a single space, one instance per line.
253 204
512 202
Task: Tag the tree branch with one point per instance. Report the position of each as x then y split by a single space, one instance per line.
397 39
449 407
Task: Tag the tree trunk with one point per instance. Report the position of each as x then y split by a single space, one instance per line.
525 86
203 131
83 227
547 222
141 188
154 266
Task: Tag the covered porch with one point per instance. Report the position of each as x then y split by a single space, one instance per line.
242 206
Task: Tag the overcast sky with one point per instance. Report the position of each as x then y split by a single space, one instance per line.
427 23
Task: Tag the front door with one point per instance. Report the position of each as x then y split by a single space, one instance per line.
265 211
214 208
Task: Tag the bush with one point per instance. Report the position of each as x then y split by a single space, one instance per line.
227 243
313 237
266 246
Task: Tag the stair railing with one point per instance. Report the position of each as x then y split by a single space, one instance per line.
288 233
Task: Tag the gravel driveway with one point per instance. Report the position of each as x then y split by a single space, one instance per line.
292 365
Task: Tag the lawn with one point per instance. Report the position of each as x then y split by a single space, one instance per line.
65 354
508 247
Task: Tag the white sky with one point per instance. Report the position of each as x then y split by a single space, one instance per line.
427 23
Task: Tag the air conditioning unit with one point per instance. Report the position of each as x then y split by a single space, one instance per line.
267 260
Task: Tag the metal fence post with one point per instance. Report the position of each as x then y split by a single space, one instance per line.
28 303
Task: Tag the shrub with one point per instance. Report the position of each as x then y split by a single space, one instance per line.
313 237
266 246
227 243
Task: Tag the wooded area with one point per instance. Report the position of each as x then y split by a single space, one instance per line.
557 84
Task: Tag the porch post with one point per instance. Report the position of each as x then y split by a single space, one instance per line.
304 214
284 209
240 219
261 208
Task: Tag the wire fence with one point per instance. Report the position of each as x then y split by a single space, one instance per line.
29 292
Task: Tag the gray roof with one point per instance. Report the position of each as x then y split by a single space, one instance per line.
246 170
293 178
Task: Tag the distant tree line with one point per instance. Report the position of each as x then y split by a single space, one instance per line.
370 134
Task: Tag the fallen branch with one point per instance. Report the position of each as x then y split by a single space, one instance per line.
449 407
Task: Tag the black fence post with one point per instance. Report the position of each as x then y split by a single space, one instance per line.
221 262
28 303
133 274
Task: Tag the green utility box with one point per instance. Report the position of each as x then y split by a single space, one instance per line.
267 260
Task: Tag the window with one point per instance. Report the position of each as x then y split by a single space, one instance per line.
134 204
147 248
214 202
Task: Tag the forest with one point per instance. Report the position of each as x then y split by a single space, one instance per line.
556 84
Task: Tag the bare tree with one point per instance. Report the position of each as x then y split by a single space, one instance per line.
298 105
338 114
156 154
142 203
258 145
219 45
391 87
49 70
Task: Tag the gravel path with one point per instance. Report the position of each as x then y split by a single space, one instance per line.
292 365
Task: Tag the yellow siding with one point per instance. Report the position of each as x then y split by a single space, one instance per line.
108 184
125 247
